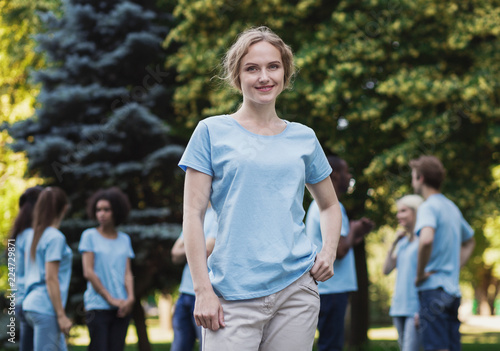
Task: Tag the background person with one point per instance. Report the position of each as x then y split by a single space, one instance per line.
47 274
19 232
253 167
446 243
185 329
403 256
106 255
334 293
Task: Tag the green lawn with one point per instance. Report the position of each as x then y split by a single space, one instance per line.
478 335
482 341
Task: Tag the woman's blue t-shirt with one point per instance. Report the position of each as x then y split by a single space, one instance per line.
110 261
257 192
405 297
20 271
52 247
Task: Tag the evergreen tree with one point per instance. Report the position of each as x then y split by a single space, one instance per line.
102 120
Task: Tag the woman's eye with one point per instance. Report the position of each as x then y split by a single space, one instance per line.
251 69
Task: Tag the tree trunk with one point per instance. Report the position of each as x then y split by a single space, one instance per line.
359 303
140 324
486 292
165 313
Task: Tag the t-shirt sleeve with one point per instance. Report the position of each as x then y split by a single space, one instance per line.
85 244
55 249
319 168
346 226
426 217
130 253
198 151
466 230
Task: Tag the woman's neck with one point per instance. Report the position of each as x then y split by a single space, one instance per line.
262 114
108 231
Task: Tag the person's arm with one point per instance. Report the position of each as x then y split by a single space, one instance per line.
126 306
54 291
391 259
178 251
466 251
91 276
358 229
330 223
208 310
424 253
210 246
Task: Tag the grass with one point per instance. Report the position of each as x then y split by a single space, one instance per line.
479 334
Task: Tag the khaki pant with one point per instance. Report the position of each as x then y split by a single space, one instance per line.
284 321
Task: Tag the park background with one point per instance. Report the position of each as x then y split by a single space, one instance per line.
101 93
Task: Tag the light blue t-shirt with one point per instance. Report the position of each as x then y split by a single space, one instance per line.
344 279
110 261
210 230
20 271
257 191
451 230
405 297
51 247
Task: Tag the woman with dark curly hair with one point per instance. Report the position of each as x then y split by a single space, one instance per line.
106 254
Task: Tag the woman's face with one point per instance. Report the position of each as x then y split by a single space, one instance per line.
262 74
406 217
104 212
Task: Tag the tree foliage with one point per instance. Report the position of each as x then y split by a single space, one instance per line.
380 81
18 22
102 119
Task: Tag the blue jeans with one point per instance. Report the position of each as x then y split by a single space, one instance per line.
42 333
26 337
408 339
331 321
439 324
185 329
107 331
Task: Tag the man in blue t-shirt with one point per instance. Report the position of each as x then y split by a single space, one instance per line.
445 245
185 329
334 293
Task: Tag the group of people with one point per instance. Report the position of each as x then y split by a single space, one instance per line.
43 270
258 277
266 284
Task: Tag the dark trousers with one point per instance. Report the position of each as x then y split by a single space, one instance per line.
331 321
107 331
185 329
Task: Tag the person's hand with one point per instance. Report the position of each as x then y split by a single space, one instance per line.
64 323
125 308
361 227
208 311
322 269
422 278
399 235
115 302
416 319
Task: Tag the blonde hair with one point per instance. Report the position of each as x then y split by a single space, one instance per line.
232 59
410 201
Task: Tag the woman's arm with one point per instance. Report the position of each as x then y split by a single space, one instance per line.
208 311
391 259
330 224
127 305
91 276
178 251
52 281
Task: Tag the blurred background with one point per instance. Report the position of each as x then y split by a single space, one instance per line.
101 93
